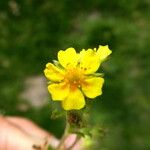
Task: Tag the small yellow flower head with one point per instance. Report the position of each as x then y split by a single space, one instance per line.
73 77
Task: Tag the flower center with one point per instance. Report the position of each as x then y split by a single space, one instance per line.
74 77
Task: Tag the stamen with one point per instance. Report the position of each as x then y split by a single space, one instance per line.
74 77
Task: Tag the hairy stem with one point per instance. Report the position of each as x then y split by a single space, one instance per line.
64 136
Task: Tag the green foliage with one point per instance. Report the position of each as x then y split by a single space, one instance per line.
32 32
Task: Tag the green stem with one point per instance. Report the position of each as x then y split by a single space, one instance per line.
65 135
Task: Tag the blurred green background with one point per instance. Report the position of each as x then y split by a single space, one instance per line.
33 31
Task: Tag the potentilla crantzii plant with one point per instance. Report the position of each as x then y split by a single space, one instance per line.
74 81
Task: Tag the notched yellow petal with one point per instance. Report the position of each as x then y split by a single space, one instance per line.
75 100
89 61
53 73
68 58
58 91
103 52
93 86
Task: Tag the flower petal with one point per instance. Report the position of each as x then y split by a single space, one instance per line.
68 57
53 73
89 61
93 86
58 91
103 52
75 100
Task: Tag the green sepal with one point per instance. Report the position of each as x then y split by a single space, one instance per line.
98 74
57 114
57 64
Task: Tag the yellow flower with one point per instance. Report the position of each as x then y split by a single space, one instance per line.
73 76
